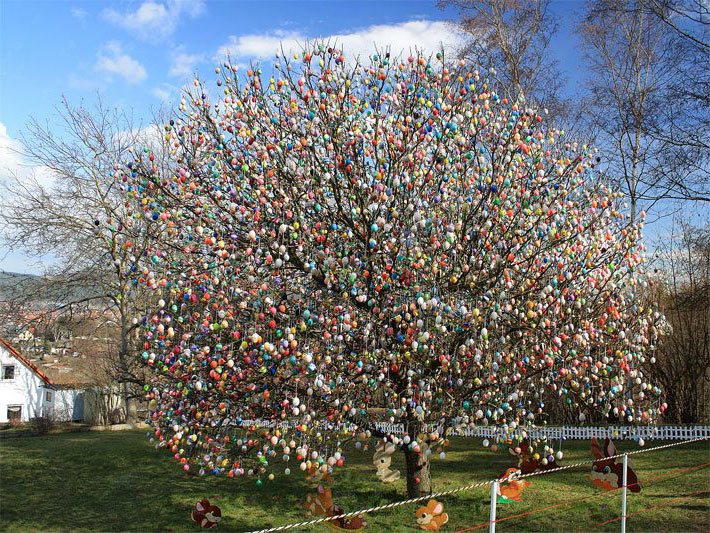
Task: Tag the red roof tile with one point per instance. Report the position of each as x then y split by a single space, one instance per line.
29 364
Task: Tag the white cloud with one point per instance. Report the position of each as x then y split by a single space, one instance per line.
183 64
113 60
10 150
155 20
152 137
79 13
14 165
259 46
161 93
427 35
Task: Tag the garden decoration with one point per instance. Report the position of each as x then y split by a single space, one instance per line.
432 516
511 489
206 515
343 244
608 474
383 461
321 504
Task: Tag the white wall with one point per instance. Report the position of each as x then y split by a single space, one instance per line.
66 405
26 389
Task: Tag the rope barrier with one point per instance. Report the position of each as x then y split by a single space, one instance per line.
647 482
498 521
664 504
617 456
462 488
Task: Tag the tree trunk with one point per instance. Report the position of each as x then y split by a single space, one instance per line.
129 404
417 466
123 360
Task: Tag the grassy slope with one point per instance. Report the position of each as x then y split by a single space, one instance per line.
117 481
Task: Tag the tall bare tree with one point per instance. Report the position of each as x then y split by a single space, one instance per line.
79 221
511 38
683 359
648 101
689 18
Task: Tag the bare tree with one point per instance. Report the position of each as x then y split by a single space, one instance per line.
510 39
688 18
683 359
80 222
648 102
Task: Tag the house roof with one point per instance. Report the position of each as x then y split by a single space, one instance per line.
58 377
29 364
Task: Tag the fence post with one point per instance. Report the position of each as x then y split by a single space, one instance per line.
494 500
623 494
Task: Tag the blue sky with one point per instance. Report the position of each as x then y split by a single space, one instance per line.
139 54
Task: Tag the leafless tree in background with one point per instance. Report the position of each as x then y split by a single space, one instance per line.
80 222
680 14
649 99
682 367
511 38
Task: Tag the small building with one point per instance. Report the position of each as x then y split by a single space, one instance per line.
27 391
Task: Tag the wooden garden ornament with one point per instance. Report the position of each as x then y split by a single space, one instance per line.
607 473
206 515
511 489
321 504
432 516
383 460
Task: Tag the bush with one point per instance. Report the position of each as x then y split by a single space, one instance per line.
42 424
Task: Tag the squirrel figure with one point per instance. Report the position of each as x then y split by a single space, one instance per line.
207 516
432 516
512 489
321 504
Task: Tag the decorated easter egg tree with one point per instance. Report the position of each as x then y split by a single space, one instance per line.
342 244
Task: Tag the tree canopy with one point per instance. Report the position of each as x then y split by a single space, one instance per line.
344 243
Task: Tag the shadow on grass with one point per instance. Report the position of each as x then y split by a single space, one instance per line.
118 482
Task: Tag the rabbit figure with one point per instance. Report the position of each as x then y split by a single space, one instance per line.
606 473
383 460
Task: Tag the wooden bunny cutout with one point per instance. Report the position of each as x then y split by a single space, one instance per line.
432 516
606 473
383 460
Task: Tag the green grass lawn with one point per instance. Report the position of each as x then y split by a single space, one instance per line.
116 481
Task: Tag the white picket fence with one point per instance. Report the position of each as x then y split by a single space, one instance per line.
578 432
552 432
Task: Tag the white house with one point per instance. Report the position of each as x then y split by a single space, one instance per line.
26 391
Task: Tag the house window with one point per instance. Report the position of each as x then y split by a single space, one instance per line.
14 413
8 372
48 396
